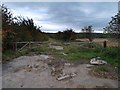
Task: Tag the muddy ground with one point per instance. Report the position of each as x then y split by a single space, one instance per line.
42 71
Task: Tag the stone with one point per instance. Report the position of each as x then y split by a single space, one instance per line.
57 47
89 65
53 69
66 76
63 77
73 74
29 66
64 54
36 65
67 64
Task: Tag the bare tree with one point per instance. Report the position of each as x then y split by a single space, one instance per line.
89 32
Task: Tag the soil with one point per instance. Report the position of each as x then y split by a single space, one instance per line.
37 71
112 72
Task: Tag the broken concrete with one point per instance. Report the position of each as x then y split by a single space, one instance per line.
63 77
66 76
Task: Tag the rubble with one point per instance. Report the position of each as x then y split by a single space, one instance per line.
67 64
63 77
66 76
97 61
89 65
34 67
59 72
56 71
73 74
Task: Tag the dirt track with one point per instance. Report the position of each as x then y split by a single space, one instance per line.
16 74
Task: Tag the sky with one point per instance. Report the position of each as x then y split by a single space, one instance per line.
57 16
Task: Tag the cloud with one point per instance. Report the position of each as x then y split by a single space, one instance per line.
54 16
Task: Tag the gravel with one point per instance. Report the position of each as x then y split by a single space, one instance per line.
16 75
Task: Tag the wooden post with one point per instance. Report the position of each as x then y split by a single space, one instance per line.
104 44
16 46
13 46
29 45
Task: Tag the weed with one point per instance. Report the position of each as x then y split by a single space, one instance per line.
102 69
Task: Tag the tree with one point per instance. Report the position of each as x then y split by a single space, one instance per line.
7 30
27 31
88 32
18 29
66 35
113 28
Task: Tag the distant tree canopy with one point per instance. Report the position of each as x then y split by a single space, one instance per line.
88 32
66 35
18 29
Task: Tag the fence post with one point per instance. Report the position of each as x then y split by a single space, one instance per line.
104 44
29 45
16 46
13 45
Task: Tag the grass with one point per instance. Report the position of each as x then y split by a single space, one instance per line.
74 52
10 54
40 49
112 55
101 69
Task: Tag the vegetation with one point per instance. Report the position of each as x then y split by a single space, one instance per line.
88 32
113 28
76 52
10 54
102 69
18 29
67 35
94 35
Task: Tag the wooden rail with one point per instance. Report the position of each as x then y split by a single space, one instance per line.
26 44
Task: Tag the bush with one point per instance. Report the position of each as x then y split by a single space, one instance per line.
66 35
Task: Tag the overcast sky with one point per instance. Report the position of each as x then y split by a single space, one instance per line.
57 16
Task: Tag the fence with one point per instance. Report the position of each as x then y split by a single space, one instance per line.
24 45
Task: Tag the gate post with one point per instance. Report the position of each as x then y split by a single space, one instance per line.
29 45
104 44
